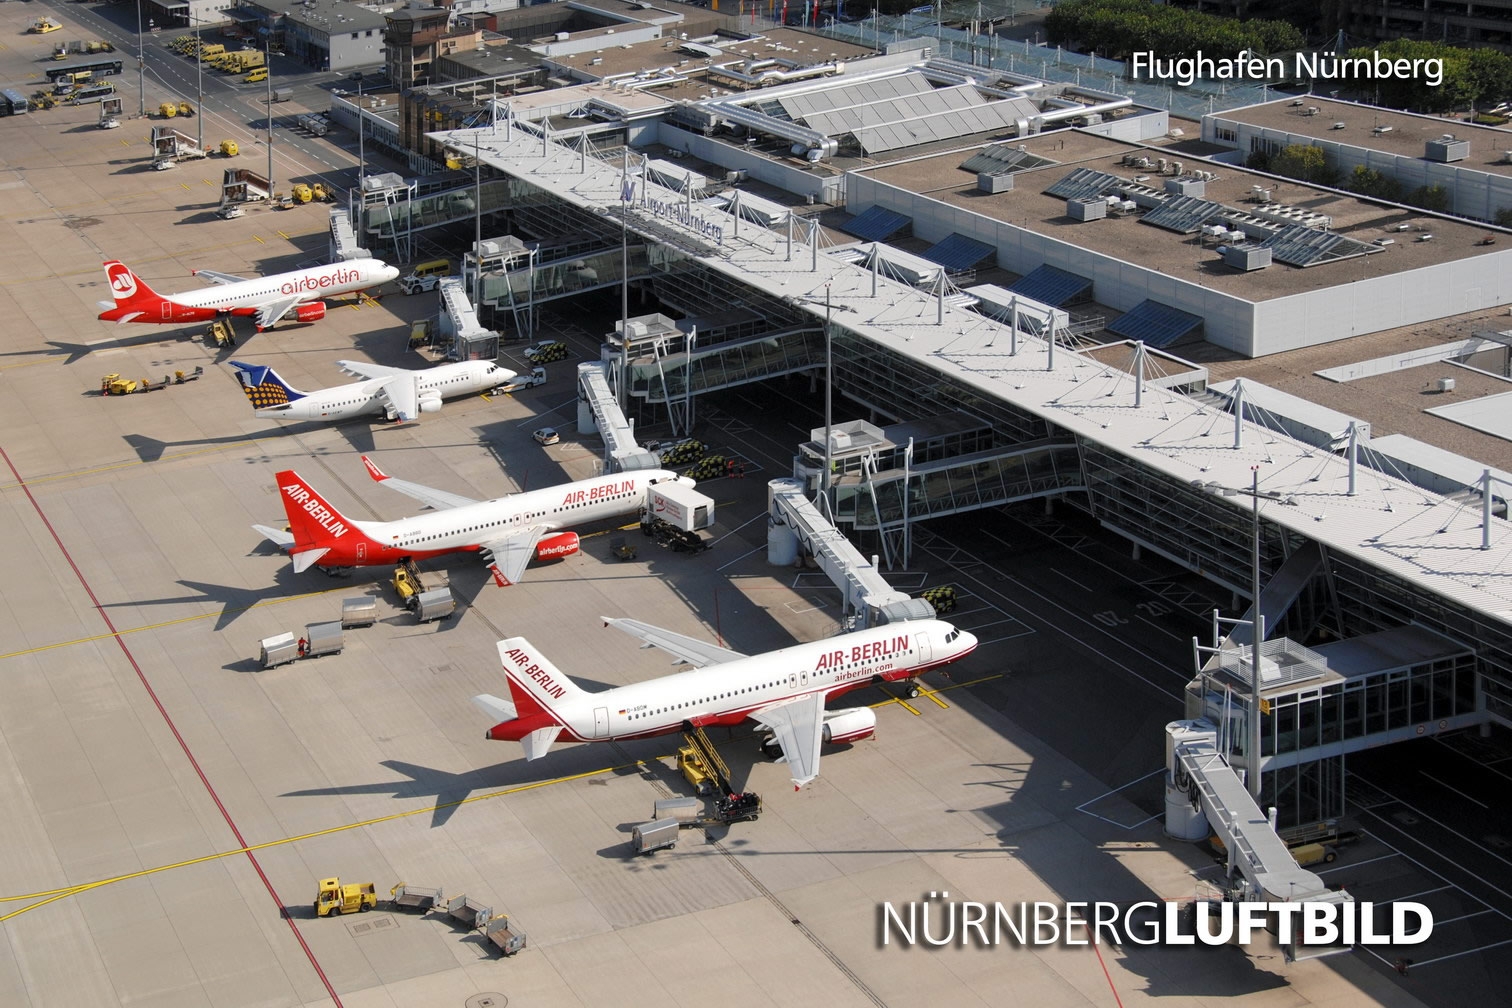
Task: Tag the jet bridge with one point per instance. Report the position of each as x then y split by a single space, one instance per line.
1202 792
794 523
599 412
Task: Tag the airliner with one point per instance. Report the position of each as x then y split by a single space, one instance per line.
395 393
510 531
784 691
268 299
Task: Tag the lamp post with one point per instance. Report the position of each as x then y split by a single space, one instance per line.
829 413
268 62
141 66
199 87
1257 636
361 135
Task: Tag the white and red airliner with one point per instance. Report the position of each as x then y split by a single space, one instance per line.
268 299
509 532
784 691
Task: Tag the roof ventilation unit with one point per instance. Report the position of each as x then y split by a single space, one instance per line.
1339 125
1381 129
1245 257
988 182
1447 148
1086 209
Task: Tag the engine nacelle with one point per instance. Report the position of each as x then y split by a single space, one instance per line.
563 544
430 402
850 725
312 311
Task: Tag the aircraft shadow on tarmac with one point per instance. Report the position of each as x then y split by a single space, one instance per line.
358 435
233 599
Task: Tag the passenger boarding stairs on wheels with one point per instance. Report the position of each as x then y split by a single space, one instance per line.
701 763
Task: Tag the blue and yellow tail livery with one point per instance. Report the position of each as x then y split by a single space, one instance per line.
263 386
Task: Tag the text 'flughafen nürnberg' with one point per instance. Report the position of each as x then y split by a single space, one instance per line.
1183 71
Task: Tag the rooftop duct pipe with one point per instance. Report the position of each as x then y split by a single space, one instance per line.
758 122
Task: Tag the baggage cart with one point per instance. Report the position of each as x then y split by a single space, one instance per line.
469 912
322 638
358 612
653 836
434 604
685 810
407 897
279 650
499 932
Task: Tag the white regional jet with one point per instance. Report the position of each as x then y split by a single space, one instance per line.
395 393
267 299
783 691
509 531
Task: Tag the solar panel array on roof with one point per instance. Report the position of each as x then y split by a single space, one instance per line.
1052 285
876 224
957 252
1183 214
1156 324
831 99
1083 183
1300 245
1001 159
888 122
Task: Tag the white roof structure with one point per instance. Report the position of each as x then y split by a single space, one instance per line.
1430 541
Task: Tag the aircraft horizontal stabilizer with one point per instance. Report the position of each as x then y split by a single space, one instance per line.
305 559
494 707
277 537
538 742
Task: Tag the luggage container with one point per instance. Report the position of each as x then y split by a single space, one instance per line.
279 650
323 638
282 94
408 897
358 612
684 810
434 604
468 911
498 931
652 836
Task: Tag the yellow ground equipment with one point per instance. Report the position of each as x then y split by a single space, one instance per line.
43 26
229 148
407 583
114 384
220 333
168 110
185 109
98 47
322 194
303 193
420 334
334 897
257 76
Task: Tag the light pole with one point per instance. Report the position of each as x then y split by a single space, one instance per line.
829 416
268 62
141 66
199 88
361 136
1257 636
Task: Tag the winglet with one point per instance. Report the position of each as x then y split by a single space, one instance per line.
372 467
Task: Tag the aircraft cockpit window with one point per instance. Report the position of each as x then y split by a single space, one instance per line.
950 637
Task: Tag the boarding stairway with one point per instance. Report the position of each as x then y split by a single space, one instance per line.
705 759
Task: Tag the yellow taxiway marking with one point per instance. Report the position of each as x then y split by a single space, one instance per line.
172 622
931 694
184 186
258 239
281 235
50 895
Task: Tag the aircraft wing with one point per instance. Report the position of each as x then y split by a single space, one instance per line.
270 313
688 649
438 499
402 393
798 725
362 369
512 550
217 277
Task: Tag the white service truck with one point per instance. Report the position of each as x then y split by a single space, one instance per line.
681 506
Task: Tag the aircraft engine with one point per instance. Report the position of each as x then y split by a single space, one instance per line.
313 311
430 401
850 725
563 544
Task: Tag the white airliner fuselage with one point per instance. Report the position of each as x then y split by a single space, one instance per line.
783 690
391 392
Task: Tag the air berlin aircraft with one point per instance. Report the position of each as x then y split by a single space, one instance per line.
783 691
268 299
509 531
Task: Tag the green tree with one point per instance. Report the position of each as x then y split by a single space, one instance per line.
1429 198
1369 182
1117 28
1303 162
